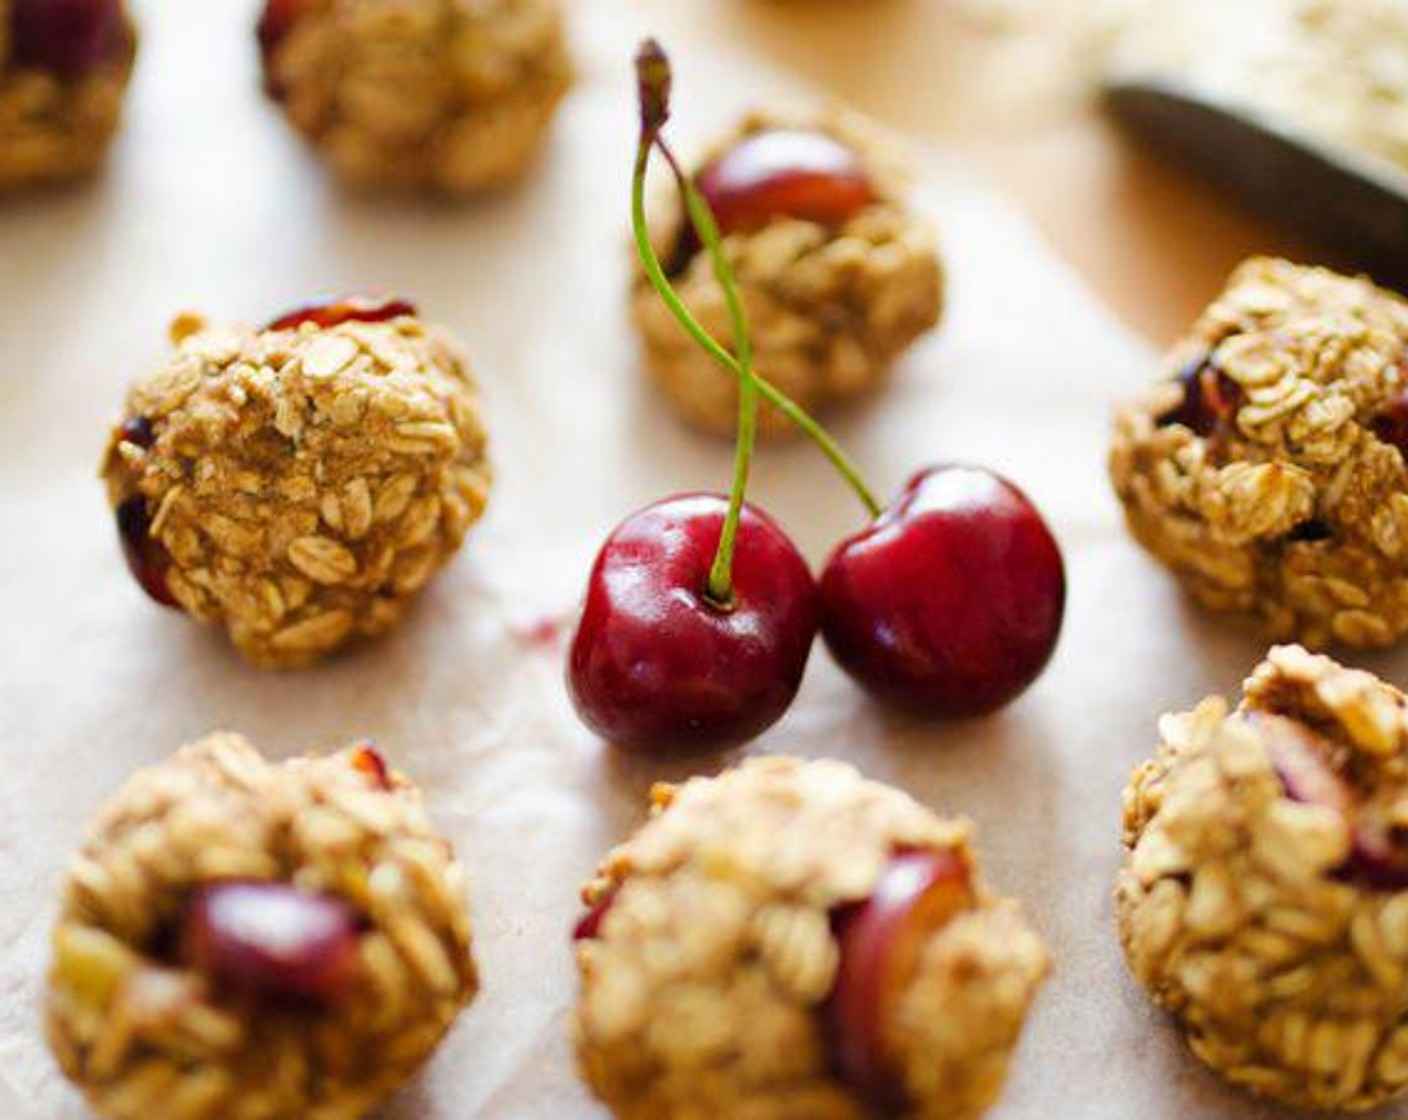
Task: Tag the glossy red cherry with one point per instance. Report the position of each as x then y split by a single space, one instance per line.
780 173
950 603
69 37
881 941
146 557
272 940
792 173
1210 400
332 312
655 665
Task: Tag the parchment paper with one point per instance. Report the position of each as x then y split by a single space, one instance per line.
211 204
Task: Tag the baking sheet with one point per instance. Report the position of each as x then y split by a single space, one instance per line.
211 204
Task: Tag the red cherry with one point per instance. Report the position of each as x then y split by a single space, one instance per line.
272 940
1304 760
1210 400
332 312
780 173
881 941
790 173
146 557
655 665
950 602
589 927
69 37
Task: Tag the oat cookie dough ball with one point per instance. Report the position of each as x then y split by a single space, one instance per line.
64 69
299 484
1264 896
453 96
1267 468
838 274
790 940
265 941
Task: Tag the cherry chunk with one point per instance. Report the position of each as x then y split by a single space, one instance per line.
272 941
332 312
785 173
69 37
881 942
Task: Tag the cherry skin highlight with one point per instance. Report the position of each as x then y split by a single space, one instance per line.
785 173
332 312
69 37
655 666
881 940
950 603
272 940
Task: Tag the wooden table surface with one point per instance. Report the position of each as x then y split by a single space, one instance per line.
1153 240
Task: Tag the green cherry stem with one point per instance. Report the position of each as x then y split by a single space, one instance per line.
707 228
653 75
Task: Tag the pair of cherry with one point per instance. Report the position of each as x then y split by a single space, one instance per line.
949 603
68 37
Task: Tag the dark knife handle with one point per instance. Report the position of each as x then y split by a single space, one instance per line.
1337 198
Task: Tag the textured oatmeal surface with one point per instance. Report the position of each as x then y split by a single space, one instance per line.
304 484
145 1038
55 128
701 996
830 309
1293 504
450 95
1288 975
